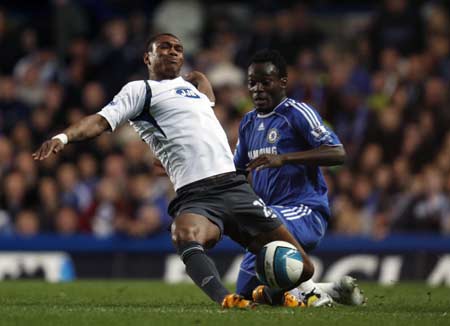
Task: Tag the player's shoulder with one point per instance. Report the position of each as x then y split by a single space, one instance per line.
248 118
134 87
302 111
299 106
250 115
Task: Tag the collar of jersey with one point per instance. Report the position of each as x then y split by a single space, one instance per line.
167 80
259 115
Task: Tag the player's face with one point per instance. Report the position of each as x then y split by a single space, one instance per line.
165 58
266 87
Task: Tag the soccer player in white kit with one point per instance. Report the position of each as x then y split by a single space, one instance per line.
176 120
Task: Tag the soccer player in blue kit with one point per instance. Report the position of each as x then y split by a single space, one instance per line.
282 144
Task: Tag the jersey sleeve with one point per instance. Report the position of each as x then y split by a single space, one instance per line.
240 153
126 105
307 122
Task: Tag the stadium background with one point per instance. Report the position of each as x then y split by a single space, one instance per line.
377 72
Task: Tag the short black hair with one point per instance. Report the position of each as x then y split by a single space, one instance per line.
152 39
272 56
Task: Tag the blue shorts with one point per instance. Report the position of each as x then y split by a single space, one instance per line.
306 225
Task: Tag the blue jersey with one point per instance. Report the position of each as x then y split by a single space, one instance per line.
291 127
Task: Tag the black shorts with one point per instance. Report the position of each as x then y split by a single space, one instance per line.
229 202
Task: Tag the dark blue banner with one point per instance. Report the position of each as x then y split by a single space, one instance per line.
161 243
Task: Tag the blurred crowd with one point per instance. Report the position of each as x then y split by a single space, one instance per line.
379 76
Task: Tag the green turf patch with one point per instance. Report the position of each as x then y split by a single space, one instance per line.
155 303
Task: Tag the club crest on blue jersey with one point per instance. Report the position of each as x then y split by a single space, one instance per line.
186 92
273 135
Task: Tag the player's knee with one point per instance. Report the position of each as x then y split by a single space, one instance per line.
183 234
308 270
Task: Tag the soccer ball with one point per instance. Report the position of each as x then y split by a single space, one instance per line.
279 265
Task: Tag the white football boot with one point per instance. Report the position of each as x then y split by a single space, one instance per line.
346 291
316 298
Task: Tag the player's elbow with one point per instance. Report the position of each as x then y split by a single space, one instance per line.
340 155
333 155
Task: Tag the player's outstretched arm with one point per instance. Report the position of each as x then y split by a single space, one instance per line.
202 83
88 127
324 155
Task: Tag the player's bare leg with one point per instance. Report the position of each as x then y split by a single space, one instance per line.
191 234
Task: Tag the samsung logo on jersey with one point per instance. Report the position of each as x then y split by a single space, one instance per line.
187 92
265 150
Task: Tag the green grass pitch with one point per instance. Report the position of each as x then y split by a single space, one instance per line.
155 303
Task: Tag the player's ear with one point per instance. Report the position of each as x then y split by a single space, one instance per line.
146 58
283 82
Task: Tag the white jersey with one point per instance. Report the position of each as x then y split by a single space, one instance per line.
178 124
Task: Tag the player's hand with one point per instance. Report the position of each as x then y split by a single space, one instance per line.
47 148
196 77
265 161
202 83
158 168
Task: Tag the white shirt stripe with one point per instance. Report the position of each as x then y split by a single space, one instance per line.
287 210
296 217
306 115
296 212
311 112
293 211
